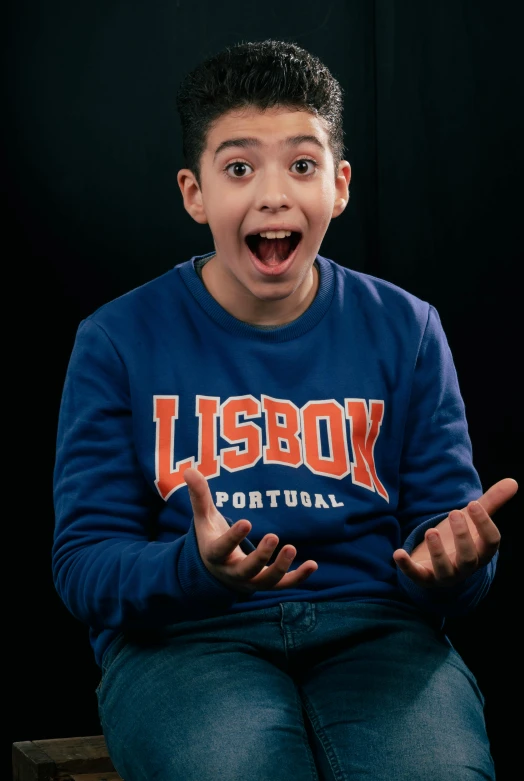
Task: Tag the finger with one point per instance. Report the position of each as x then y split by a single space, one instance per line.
442 565
488 540
498 494
277 576
298 575
466 553
270 576
418 573
223 546
253 564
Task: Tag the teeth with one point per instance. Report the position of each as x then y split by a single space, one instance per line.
275 234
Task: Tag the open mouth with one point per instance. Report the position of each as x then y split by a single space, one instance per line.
271 252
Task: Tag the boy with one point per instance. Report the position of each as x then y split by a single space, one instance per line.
256 407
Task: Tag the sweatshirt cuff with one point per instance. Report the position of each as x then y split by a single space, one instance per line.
206 595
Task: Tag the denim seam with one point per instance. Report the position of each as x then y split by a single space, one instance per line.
328 747
309 750
284 633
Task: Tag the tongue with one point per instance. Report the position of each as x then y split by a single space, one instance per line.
273 251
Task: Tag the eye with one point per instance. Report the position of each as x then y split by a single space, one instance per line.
237 164
306 160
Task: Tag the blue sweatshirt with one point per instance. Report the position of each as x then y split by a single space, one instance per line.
343 433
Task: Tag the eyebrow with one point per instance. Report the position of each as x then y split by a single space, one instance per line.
245 143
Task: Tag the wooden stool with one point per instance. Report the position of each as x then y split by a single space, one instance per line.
63 759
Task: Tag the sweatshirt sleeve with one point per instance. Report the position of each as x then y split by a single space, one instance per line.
107 568
437 473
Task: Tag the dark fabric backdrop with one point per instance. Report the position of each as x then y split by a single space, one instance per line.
434 133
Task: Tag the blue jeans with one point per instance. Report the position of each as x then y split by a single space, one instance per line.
298 692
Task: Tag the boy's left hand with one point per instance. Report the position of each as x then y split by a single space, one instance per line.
464 541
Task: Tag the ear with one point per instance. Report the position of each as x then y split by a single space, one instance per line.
191 195
342 187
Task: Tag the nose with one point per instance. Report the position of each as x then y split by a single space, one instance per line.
274 191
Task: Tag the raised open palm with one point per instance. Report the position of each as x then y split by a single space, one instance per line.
464 541
218 544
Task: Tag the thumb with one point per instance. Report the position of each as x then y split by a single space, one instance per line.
199 493
498 495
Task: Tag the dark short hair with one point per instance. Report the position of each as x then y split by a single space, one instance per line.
261 74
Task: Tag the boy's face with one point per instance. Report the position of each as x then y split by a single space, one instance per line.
261 186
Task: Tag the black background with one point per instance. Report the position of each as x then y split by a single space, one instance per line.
92 145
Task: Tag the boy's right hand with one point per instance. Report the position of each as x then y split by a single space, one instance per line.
218 544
